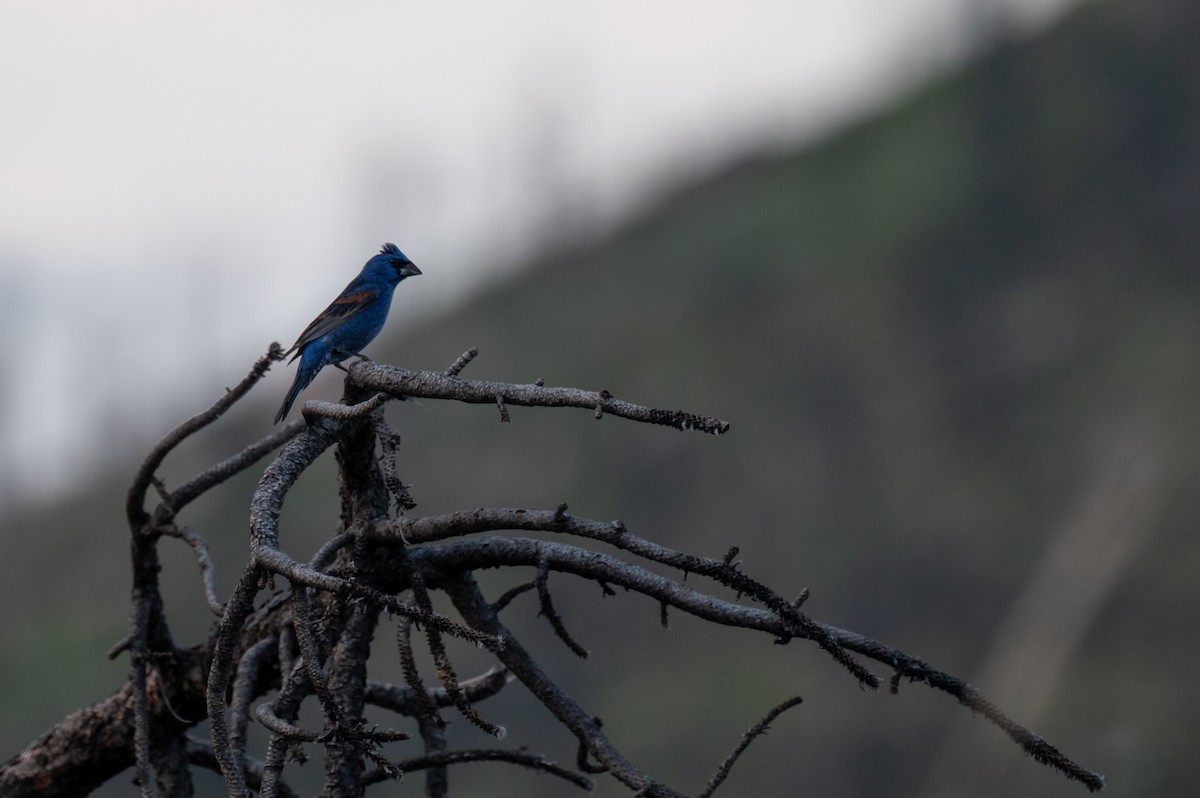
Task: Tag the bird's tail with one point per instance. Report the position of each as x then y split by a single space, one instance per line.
303 377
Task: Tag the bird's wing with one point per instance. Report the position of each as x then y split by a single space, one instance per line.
352 302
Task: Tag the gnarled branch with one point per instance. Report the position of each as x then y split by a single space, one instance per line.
312 639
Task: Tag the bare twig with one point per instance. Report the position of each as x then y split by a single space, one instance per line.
189 491
134 511
755 731
445 669
556 623
204 559
508 595
461 363
425 709
521 758
389 444
407 701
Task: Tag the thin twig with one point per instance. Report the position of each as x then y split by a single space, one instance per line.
389 446
423 706
445 669
532 761
134 511
507 596
189 491
412 702
461 363
208 575
556 622
755 731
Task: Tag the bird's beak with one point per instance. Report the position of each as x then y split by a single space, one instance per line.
410 269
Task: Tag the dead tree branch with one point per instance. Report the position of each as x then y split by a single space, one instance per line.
311 636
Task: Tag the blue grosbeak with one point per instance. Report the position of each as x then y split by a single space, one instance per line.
350 322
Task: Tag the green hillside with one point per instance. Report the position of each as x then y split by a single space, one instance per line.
958 347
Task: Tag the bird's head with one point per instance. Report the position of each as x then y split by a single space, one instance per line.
392 263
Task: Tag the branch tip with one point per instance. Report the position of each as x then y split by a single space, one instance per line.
461 363
755 731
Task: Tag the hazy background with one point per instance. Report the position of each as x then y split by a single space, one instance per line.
937 263
181 184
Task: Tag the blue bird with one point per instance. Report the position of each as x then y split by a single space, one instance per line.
350 322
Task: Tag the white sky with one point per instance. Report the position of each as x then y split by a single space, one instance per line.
181 183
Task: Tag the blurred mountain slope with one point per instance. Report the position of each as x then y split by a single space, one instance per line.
957 344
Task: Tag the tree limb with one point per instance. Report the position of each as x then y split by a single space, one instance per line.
313 637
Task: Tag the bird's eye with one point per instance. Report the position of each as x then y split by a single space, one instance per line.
397 262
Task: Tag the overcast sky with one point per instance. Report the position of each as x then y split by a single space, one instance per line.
182 183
